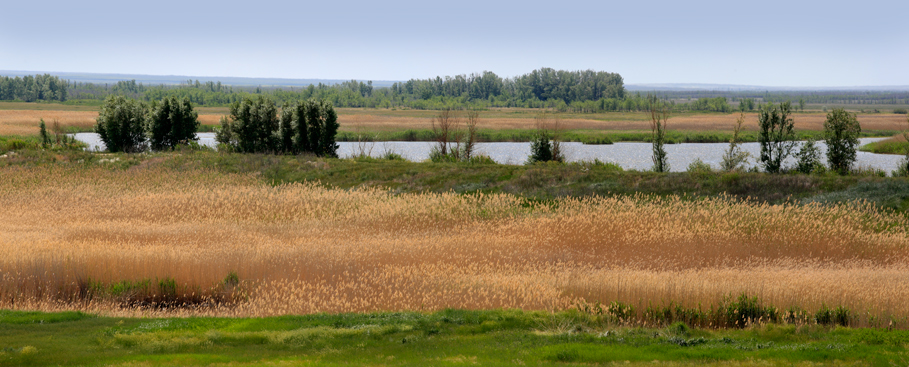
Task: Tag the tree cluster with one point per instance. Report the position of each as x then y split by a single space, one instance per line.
33 88
254 126
128 125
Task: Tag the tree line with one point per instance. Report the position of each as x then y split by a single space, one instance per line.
254 126
33 88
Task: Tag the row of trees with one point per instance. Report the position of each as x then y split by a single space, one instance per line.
33 88
255 126
776 138
128 125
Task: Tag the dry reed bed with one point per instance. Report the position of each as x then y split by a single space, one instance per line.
25 122
301 248
706 122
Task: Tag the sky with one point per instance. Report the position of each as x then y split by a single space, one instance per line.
768 43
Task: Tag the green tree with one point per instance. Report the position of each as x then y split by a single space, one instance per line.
286 128
841 132
735 158
330 125
252 126
659 116
45 138
540 147
802 104
170 122
775 136
225 135
121 124
545 145
809 157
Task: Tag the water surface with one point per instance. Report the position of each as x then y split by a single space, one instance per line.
636 156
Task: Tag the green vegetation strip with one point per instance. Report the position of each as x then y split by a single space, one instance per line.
450 337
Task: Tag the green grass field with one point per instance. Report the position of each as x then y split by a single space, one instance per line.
451 337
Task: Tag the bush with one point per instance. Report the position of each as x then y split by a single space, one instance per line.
540 148
121 124
735 158
903 169
901 111
809 157
481 159
744 310
392 156
699 167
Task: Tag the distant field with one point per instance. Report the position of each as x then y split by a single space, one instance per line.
22 119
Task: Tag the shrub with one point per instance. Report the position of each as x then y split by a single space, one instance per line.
901 111
121 124
841 131
481 159
540 148
699 167
903 169
545 145
392 156
735 158
659 114
809 157
744 310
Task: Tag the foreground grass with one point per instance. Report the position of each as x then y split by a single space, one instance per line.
450 337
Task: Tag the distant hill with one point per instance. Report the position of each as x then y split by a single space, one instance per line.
177 79
738 88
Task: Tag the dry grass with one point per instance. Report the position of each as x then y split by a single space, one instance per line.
301 248
385 120
25 122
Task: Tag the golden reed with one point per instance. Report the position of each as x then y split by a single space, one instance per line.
304 248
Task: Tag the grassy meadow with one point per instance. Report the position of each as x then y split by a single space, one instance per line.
445 338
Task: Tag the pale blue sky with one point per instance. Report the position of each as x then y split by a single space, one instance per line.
772 43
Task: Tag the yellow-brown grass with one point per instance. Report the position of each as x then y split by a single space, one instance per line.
25 122
616 121
302 248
